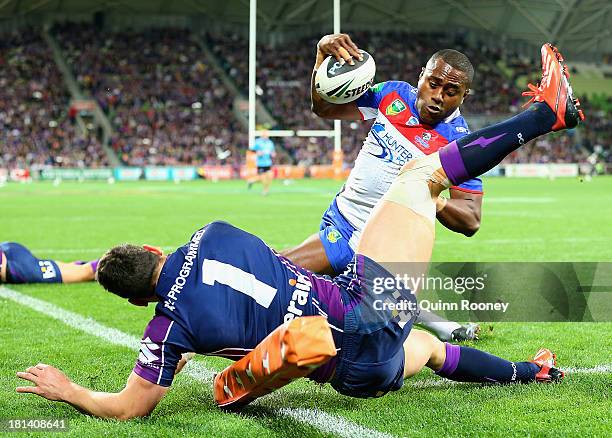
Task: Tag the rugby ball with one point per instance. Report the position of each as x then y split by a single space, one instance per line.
342 83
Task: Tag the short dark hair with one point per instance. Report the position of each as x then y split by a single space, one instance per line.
457 60
127 270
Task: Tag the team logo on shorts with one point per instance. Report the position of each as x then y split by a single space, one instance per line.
333 236
396 107
47 269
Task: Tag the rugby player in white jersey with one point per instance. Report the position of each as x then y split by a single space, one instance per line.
409 123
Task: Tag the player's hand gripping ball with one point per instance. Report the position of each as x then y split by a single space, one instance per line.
338 82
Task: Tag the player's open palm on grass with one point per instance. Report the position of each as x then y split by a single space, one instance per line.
49 382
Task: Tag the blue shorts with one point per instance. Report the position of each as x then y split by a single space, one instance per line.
335 233
371 359
23 267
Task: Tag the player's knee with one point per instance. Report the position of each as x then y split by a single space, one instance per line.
438 353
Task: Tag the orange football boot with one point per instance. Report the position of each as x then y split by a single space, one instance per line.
547 360
555 90
292 350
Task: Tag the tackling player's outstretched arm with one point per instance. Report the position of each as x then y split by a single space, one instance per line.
343 49
461 213
137 399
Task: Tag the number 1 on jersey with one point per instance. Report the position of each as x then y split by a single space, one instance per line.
236 278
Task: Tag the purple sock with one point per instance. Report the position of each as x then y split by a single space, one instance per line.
482 150
465 364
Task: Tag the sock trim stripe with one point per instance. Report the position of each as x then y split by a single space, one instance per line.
452 163
452 360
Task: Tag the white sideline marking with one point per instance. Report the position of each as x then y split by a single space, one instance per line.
598 369
326 422
323 421
73 320
330 423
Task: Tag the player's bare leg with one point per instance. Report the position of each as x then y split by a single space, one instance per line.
400 232
252 180
422 350
266 180
310 254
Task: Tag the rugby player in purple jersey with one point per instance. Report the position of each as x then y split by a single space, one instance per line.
18 265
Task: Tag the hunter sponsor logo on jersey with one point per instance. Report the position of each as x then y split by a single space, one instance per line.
146 356
333 236
47 269
396 107
461 129
391 150
412 121
299 297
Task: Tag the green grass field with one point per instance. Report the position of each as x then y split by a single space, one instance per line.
523 220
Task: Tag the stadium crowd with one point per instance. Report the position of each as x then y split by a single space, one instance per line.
37 127
167 106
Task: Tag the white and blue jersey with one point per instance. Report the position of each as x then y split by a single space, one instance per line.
265 149
396 137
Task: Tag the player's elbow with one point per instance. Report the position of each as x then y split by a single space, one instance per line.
472 227
130 414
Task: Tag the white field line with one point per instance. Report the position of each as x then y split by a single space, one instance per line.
325 422
197 370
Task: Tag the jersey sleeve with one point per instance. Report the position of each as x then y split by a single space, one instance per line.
368 103
157 359
473 185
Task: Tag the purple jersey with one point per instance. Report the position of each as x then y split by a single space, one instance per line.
222 294
23 267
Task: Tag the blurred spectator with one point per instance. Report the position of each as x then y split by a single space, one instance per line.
167 106
36 129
